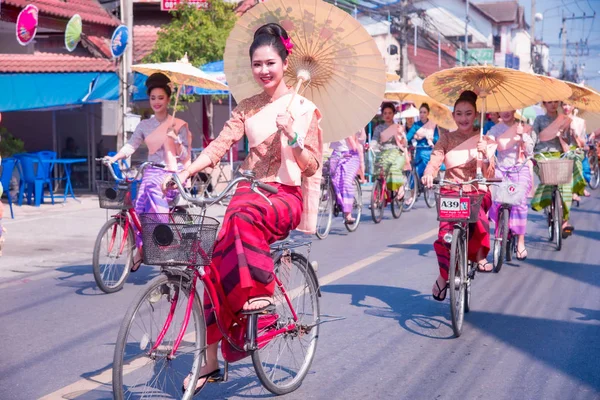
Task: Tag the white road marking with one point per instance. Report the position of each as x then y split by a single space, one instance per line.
86 385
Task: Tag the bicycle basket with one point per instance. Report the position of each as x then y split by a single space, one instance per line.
454 208
113 195
555 172
508 193
178 239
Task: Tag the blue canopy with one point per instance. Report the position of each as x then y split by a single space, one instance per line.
217 71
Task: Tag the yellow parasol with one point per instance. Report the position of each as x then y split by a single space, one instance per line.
554 89
333 54
439 113
583 98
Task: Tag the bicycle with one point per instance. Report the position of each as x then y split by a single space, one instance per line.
594 166
169 347
381 197
507 194
416 188
555 172
115 244
462 210
329 207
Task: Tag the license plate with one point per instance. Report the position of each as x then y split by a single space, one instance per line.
455 207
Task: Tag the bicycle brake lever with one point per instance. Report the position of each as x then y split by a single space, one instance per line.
255 190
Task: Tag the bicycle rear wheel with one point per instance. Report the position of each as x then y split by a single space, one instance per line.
140 373
326 204
457 277
113 255
377 202
594 173
411 190
501 240
429 196
558 219
356 207
282 364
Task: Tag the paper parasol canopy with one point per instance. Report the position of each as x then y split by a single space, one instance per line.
583 98
554 89
27 23
345 70
73 32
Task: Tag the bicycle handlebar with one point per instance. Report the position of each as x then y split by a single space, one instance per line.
483 181
246 176
140 172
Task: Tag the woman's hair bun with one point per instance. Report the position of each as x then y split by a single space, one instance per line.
271 34
468 95
158 80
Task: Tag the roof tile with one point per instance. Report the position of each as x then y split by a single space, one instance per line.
144 37
52 62
91 11
426 61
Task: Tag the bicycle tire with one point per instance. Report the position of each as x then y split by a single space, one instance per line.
468 296
102 275
325 213
429 196
273 384
558 219
377 202
502 234
595 174
163 286
457 277
550 215
511 248
356 205
411 178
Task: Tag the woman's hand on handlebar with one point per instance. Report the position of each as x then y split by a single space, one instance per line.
183 175
427 180
109 160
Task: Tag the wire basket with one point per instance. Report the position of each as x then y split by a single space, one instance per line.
555 172
114 195
508 193
457 208
178 239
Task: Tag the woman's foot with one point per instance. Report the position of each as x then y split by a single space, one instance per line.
440 288
257 303
400 194
137 260
348 218
567 230
521 253
207 374
576 197
586 193
484 266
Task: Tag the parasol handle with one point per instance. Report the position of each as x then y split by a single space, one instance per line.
176 101
479 172
296 90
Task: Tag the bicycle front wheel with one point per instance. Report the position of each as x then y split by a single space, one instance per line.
142 371
501 240
457 277
113 255
594 173
356 207
558 219
282 364
411 190
377 202
325 213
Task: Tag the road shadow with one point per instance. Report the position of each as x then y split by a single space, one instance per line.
424 249
594 235
569 347
587 314
585 273
415 312
81 278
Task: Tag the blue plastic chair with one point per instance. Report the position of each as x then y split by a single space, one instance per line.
115 166
35 178
8 166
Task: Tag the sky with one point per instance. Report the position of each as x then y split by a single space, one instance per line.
576 30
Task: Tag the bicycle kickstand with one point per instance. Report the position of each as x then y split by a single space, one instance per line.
225 372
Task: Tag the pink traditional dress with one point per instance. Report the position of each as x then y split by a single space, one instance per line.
459 153
242 263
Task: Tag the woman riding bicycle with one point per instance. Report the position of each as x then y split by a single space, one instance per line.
168 141
285 151
463 151
515 146
390 138
345 163
426 133
551 142
576 135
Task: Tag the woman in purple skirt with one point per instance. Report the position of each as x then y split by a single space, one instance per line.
345 163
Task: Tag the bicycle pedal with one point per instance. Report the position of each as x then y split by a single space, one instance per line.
266 310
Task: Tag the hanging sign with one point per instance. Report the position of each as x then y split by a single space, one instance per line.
27 23
169 5
118 42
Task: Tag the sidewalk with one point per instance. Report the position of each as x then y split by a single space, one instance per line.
52 236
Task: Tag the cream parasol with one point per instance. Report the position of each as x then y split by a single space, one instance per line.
583 98
439 113
554 89
333 55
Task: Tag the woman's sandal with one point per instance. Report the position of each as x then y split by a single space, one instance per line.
520 255
268 307
482 267
567 231
136 265
210 377
441 290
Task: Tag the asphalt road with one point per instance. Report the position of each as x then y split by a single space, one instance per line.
532 333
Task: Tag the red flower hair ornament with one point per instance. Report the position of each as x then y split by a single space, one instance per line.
287 43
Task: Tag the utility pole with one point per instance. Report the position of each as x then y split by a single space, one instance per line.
126 11
533 21
466 60
563 33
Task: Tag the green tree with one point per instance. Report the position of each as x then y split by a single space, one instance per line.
199 33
